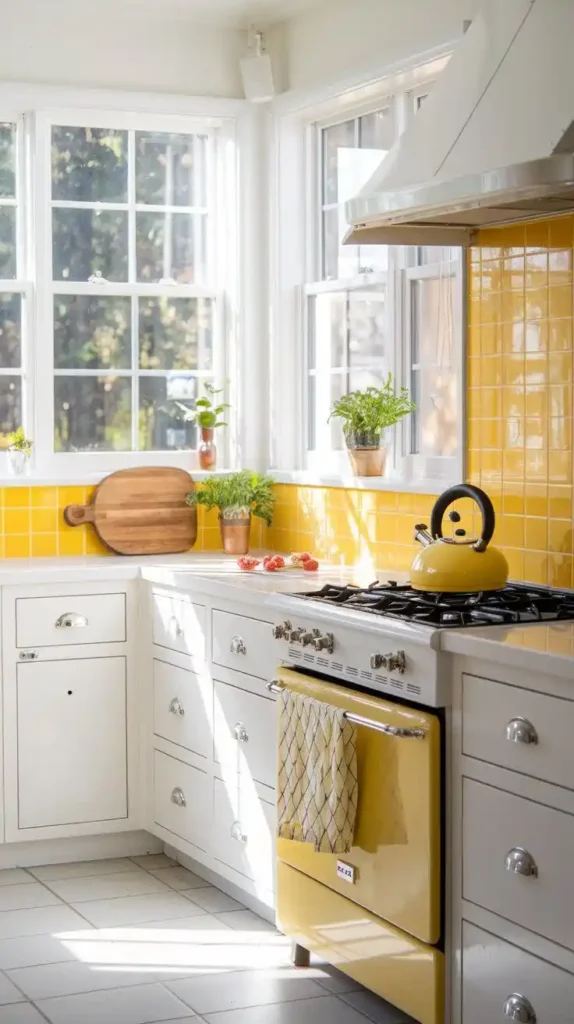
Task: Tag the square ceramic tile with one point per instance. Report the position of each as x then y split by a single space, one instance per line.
375 1009
75 976
142 1005
151 861
31 950
140 932
21 1013
8 991
39 921
19 897
213 900
15 876
213 993
246 920
159 906
83 869
331 979
106 887
326 1010
178 878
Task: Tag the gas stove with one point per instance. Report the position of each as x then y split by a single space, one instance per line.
517 603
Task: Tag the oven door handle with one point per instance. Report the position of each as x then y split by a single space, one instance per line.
389 730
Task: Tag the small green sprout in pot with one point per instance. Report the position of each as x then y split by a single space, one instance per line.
19 452
365 415
238 497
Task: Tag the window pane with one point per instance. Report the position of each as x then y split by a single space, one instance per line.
339 260
7 159
367 325
176 334
92 414
329 329
164 404
377 131
10 404
87 242
171 246
10 331
434 343
335 139
91 333
89 164
338 387
7 241
170 169
311 414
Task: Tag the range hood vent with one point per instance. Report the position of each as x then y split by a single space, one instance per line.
494 142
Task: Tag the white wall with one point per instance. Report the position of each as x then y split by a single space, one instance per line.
347 36
98 43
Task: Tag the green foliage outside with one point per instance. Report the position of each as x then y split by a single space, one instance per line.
366 413
19 442
237 495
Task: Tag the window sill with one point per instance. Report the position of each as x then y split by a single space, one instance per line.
84 479
358 483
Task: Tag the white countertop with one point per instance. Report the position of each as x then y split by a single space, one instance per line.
537 647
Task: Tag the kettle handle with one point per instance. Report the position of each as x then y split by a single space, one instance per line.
465 491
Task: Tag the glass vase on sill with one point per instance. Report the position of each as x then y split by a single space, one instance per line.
207 449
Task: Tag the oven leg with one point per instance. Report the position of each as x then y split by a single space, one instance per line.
300 957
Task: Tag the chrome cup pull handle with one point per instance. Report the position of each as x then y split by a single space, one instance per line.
237 645
519 1008
29 655
178 797
176 707
237 832
71 620
240 732
520 730
521 862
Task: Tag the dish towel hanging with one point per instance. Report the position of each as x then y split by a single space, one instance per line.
318 788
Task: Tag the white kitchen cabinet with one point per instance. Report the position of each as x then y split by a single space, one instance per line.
179 624
183 800
245 733
245 644
70 619
244 832
182 702
71 734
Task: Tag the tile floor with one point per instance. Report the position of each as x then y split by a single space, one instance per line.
142 940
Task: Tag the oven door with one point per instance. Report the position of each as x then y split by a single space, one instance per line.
393 870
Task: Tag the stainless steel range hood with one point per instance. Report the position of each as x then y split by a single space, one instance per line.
493 144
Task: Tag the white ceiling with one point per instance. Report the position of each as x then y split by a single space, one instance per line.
224 12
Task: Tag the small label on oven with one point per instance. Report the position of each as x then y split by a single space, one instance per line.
346 872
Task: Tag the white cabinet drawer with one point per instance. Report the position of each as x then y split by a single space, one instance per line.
71 742
182 703
244 832
245 733
496 823
494 971
74 619
179 625
183 799
244 644
490 708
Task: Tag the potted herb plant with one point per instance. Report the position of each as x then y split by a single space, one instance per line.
207 414
19 452
365 415
238 496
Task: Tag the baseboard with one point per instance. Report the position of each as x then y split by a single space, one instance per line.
65 851
235 891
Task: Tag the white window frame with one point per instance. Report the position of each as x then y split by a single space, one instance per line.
295 239
35 109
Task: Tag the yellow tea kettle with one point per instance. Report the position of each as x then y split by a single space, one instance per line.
458 566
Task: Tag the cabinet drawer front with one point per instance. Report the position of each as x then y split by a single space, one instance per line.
182 703
244 836
179 625
491 709
76 619
493 971
244 644
245 733
71 741
183 800
531 886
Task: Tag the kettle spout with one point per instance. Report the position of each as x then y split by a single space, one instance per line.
422 535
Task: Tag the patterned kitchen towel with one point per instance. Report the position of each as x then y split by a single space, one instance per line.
318 789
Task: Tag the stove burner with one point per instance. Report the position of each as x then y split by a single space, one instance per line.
516 603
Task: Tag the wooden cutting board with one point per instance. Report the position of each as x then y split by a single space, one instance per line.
141 511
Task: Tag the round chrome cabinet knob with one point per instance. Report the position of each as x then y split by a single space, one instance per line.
520 730
519 1008
520 862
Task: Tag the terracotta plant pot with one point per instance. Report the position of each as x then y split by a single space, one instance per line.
235 535
207 449
366 454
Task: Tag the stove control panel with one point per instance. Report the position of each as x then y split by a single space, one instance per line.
305 637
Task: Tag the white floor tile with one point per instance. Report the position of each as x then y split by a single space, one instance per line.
39 921
375 1009
19 897
331 979
21 1013
107 887
160 906
15 876
150 861
246 920
178 878
82 869
327 1010
8 991
141 931
70 978
142 1005
213 900
217 992
31 950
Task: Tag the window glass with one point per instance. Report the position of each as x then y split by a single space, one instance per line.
12 297
433 379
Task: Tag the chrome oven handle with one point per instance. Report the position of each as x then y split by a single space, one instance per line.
398 731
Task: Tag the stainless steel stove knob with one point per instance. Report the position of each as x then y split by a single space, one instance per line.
324 643
396 661
307 638
294 635
377 661
280 631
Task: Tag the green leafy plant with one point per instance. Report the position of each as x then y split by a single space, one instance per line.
206 413
237 495
18 441
366 413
